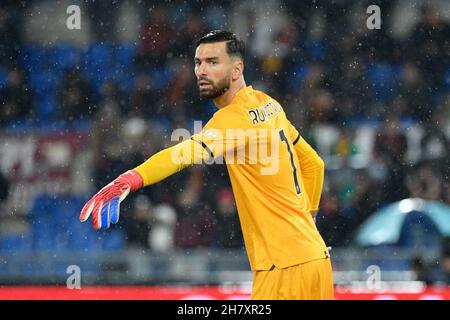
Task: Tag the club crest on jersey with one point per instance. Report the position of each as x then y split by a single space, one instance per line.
264 113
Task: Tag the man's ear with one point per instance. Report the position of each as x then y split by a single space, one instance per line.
238 70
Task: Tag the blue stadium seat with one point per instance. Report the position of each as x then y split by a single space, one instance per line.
299 73
67 222
447 79
43 206
397 70
79 238
3 78
43 81
75 235
98 55
44 234
316 49
98 61
114 240
381 77
33 59
65 57
15 243
123 76
20 125
125 54
161 77
55 222
43 217
103 62
98 77
46 109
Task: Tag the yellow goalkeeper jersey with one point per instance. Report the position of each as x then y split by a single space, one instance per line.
257 142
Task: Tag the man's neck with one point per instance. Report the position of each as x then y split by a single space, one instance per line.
225 99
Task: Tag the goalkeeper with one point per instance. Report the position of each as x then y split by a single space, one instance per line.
277 197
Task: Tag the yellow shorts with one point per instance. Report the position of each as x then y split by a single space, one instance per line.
312 280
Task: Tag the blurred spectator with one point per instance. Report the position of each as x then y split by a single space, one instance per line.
139 140
107 144
411 88
422 270
4 188
191 30
256 27
389 168
445 259
191 193
425 183
329 220
11 225
161 238
110 93
181 98
367 198
157 38
138 222
10 38
430 45
143 99
16 100
75 98
350 86
104 15
322 107
435 145
227 229
194 226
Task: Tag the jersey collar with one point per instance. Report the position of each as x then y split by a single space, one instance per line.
242 94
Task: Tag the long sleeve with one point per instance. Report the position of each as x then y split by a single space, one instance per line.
171 160
312 168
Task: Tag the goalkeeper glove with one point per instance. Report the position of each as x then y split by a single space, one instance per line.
104 206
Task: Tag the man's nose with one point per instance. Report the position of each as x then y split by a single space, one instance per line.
201 70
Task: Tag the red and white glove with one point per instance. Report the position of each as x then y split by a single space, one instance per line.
105 205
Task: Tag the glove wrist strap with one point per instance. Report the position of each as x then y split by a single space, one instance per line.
133 178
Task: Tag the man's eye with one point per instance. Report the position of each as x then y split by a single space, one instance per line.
213 62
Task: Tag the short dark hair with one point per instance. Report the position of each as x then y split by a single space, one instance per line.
235 46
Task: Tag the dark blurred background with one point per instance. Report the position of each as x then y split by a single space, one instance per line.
79 107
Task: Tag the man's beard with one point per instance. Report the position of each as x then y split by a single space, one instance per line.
217 90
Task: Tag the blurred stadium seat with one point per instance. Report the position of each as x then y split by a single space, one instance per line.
316 49
381 77
65 57
34 59
15 243
3 78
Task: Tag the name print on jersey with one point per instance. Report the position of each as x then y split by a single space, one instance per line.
264 113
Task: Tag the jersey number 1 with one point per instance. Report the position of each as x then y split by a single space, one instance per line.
294 169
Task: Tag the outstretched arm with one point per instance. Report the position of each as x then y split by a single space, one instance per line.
105 205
